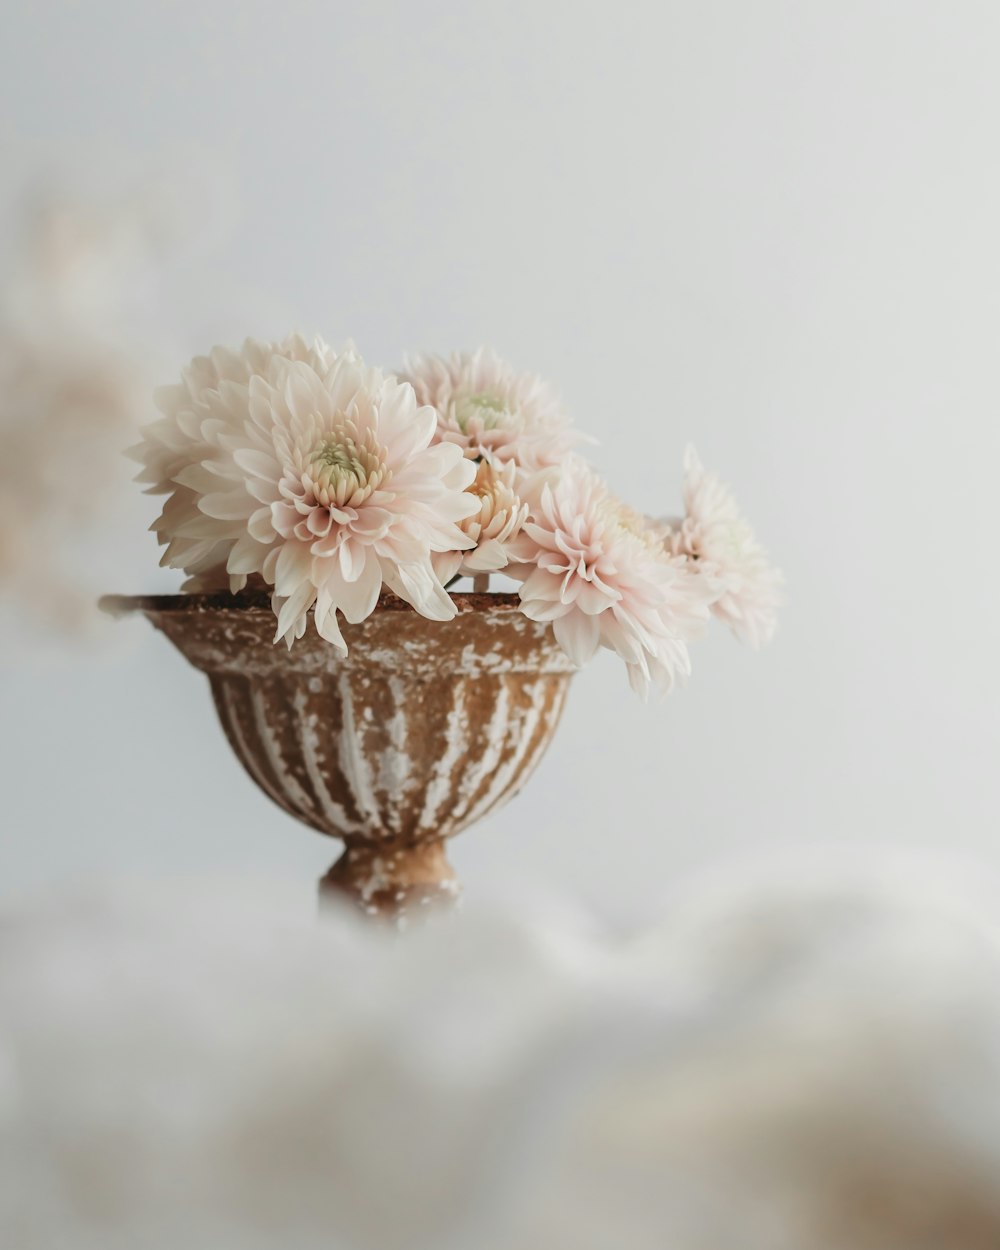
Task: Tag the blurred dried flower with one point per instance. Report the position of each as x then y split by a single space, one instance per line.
68 390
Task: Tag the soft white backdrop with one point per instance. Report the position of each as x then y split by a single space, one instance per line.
771 228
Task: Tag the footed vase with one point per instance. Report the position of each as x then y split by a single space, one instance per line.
424 728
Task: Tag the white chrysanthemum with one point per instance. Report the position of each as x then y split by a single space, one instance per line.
595 569
346 494
312 470
714 534
492 412
493 527
208 406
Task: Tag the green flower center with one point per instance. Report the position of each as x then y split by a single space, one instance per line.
489 410
346 470
343 457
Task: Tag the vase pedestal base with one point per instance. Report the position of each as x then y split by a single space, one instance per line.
392 881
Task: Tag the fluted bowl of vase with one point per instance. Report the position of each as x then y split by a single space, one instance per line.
422 729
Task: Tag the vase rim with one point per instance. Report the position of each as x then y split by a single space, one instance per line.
259 601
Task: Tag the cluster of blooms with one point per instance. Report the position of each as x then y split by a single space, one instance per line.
330 481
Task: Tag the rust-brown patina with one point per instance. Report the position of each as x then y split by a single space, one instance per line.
422 729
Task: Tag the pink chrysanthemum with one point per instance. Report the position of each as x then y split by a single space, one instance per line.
320 476
209 405
715 536
492 527
599 573
492 412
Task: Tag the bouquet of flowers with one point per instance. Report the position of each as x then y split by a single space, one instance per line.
329 481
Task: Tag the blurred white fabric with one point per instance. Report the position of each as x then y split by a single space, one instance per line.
808 1058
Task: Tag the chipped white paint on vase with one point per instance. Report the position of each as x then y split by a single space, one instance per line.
424 728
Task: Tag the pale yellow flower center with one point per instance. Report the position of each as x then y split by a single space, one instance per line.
345 469
490 410
487 484
628 521
496 499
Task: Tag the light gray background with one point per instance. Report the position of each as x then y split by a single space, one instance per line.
771 228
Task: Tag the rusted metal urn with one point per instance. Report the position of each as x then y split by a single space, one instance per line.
422 729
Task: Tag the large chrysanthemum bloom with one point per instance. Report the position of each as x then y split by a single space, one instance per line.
493 527
600 574
715 537
348 493
492 412
208 406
